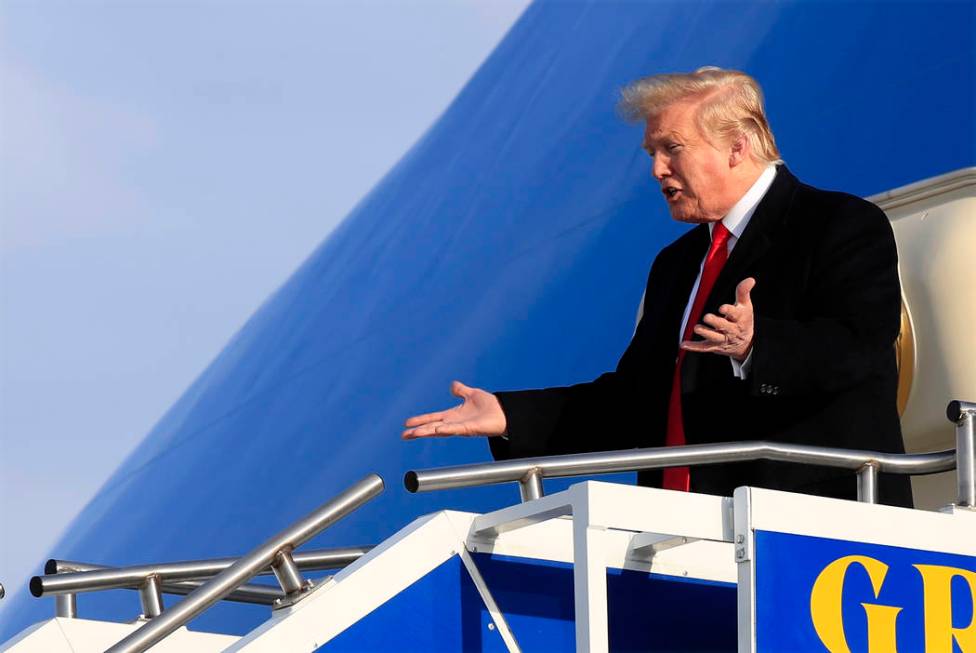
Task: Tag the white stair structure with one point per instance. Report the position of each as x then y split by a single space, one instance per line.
604 567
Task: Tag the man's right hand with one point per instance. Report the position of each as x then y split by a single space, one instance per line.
479 414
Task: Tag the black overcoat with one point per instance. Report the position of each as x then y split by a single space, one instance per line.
827 307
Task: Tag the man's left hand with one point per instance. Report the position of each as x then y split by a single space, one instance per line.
731 333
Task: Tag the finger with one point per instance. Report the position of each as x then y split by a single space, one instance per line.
712 336
426 418
409 434
718 323
458 389
699 346
743 289
414 433
730 312
425 431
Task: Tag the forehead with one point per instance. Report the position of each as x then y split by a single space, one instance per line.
673 121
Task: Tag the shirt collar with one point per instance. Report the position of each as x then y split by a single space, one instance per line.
738 216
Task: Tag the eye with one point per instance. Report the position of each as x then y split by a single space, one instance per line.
674 147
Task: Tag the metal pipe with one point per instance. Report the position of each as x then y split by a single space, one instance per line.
530 485
151 598
287 573
963 414
66 606
68 576
250 593
239 572
867 482
660 457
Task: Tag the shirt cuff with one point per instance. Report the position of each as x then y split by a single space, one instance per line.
741 370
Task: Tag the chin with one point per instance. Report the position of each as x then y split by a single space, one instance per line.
691 215
688 218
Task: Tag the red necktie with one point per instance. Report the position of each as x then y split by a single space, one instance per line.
679 478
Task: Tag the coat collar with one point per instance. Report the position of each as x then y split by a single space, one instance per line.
757 237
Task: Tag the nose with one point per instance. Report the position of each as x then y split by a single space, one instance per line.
660 168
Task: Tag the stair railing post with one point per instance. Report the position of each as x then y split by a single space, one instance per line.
151 598
963 415
867 482
530 485
66 606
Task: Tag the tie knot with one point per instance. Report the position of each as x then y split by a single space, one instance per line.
720 236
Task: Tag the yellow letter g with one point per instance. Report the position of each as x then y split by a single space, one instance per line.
826 607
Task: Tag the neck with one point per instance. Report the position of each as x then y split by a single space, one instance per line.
748 174
744 176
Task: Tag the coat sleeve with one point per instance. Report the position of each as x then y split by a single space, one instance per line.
850 313
608 413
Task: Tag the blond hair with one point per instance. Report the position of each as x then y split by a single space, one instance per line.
731 105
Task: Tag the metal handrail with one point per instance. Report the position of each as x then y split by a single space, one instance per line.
63 577
272 552
529 472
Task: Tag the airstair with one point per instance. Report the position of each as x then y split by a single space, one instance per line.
597 567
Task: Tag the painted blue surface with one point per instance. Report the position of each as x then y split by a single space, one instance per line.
788 565
440 612
508 248
444 612
647 612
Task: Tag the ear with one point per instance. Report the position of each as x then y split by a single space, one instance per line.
738 150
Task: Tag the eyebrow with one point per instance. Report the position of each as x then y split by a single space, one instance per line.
673 135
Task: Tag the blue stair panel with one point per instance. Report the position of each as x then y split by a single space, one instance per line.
440 612
647 612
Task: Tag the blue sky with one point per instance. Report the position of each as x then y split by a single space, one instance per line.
164 166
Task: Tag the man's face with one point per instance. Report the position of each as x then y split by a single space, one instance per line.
694 174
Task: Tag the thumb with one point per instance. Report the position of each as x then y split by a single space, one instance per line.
743 289
458 389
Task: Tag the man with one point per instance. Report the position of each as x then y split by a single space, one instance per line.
773 318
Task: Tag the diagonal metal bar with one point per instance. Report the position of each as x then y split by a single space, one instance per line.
238 573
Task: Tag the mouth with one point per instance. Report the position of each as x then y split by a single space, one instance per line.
671 192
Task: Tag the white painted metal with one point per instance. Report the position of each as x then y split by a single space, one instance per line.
357 590
952 509
553 540
592 525
642 509
803 514
658 515
655 542
590 587
525 514
744 544
87 636
611 524
639 509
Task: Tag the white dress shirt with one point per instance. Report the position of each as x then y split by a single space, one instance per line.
736 221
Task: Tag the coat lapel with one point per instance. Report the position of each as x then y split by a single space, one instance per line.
756 239
753 244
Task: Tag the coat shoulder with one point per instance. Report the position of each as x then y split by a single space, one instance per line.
831 207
